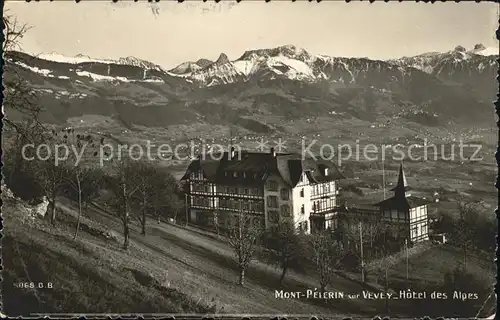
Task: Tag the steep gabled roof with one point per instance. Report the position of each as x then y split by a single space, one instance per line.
254 167
208 167
403 203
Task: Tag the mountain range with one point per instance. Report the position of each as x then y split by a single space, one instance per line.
285 82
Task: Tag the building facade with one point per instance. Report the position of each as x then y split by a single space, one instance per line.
267 186
404 214
270 187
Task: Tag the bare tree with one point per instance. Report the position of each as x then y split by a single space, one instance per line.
327 254
14 32
144 175
286 247
22 113
381 268
243 233
463 233
361 237
123 186
165 195
82 175
216 220
51 174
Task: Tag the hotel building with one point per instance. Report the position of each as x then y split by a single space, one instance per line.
268 186
274 186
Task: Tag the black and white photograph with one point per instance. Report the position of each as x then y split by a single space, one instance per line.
291 159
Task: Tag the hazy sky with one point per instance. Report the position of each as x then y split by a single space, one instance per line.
189 31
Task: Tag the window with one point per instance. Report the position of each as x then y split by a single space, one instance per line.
272 202
226 189
285 194
302 209
285 210
272 185
225 173
246 205
259 206
244 174
327 188
235 174
246 191
302 193
273 216
303 226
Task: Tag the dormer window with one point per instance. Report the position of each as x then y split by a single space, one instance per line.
244 174
326 171
225 173
235 174
272 185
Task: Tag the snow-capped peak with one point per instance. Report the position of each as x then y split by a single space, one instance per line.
222 59
289 51
484 51
79 58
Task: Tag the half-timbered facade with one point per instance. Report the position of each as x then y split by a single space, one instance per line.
405 214
267 186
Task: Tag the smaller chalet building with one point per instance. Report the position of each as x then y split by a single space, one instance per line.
268 186
405 214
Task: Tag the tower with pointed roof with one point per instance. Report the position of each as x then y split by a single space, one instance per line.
405 215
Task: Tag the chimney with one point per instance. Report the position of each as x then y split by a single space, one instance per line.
273 153
231 155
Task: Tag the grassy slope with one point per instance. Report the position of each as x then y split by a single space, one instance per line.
169 271
88 275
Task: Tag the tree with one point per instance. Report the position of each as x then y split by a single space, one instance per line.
14 32
24 183
20 101
382 266
243 234
463 233
286 247
359 233
82 175
144 175
459 279
86 182
166 195
123 186
51 174
327 254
